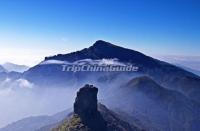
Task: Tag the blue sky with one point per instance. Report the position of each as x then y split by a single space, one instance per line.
38 28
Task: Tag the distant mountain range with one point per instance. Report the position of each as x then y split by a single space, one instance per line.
197 72
192 62
36 122
10 72
14 67
159 96
2 69
165 74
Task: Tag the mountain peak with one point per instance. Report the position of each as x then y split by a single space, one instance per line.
86 101
142 79
85 107
14 67
102 43
105 50
90 116
2 69
142 82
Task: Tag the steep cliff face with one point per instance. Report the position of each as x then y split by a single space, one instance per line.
85 107
91 116
86 102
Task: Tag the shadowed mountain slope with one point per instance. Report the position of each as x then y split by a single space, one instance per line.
157 107
166 75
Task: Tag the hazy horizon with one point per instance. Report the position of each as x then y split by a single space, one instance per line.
30 58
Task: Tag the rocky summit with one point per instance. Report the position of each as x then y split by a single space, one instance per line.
86 102
90 116
85 106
